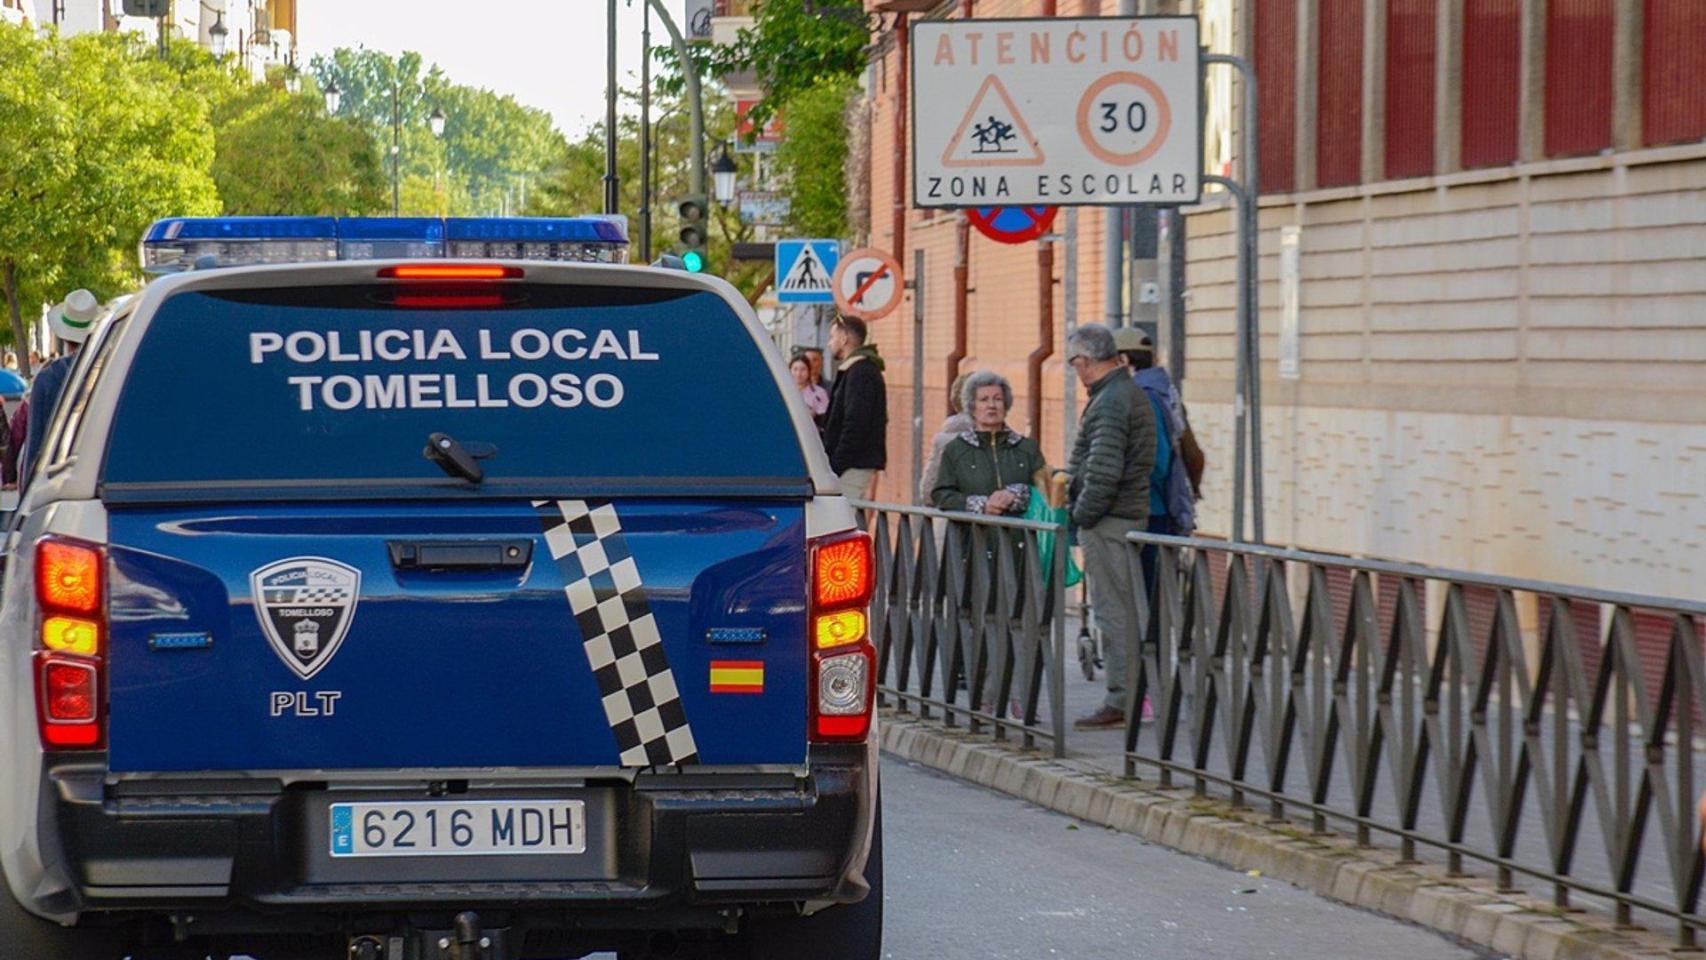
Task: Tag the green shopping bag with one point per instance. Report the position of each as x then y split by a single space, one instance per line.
1039 510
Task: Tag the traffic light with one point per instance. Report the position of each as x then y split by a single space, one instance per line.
692 209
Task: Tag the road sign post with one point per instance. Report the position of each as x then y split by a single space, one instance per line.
1072 112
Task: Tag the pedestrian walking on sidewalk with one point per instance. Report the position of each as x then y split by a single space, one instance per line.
812 392
1172 495
1112 459
856 428
71 322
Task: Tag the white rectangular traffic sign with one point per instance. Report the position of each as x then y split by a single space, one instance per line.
804 269
1061 112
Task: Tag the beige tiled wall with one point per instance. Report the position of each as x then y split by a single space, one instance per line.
1500 372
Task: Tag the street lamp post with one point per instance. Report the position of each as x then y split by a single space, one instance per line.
723 174
334 96
217 34
396 152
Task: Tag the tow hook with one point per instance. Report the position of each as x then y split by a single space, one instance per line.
466 941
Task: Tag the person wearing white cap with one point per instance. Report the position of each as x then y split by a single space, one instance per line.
71 322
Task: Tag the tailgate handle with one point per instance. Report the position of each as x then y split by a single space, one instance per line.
460 554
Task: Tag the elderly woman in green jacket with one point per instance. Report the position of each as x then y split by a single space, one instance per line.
989 468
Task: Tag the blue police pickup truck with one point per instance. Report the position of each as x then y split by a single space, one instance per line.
434 590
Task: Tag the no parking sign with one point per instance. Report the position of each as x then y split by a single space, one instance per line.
868 284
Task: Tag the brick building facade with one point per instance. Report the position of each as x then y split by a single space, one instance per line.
1501 208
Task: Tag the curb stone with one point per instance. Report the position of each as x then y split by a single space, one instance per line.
1333 866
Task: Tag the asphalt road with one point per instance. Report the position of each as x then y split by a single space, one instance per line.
977 875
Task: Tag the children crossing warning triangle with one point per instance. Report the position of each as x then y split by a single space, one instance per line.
807 275
993 133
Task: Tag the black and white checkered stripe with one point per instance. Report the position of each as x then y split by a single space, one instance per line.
620 636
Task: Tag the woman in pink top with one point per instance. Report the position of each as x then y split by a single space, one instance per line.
816 397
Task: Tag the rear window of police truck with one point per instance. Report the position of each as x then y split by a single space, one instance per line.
334 391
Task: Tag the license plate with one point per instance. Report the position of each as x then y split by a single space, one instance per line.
458 828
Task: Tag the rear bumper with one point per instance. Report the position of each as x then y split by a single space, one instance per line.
252 855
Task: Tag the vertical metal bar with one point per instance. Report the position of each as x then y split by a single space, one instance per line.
396 143
1252 303
1624 667
612 196
917 369
1057 661
1069 312
645 133
1246 265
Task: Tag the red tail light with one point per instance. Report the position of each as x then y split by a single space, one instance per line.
450 271
70 643
68 576
844 664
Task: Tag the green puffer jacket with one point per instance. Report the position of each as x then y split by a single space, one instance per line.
975 465
1113 453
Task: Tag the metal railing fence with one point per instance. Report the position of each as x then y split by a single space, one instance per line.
1547 731
967 621
1321 684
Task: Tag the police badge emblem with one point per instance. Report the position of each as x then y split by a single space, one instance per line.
305 605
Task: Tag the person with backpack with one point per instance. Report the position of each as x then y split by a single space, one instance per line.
1175 483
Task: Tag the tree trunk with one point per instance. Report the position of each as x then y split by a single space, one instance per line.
20 336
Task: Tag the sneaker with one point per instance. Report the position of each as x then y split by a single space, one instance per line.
1148 715
1102 719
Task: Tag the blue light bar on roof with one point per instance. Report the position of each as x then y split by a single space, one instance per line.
534 238
390 238
185 243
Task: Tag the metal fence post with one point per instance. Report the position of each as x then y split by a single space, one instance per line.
917 285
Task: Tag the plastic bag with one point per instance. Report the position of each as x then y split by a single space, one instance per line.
1039 510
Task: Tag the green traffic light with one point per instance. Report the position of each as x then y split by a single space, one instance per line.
694 260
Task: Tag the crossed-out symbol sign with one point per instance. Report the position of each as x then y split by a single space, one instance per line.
1011 224
868 284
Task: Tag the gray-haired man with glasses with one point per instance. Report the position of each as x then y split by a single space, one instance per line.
1112 458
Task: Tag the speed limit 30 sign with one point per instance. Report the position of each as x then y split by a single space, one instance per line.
1074 112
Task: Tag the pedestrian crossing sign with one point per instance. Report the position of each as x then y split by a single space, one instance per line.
804 269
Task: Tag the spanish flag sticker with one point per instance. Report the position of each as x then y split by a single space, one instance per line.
737 676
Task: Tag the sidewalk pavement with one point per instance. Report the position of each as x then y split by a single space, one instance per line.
1089 784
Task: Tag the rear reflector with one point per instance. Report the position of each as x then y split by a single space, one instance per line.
450 271
68 576
70 690
843 572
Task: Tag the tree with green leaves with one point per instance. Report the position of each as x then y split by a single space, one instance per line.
490 143
787 49
262 154
574 184
100 140
812 157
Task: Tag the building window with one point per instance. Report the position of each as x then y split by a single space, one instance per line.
1411 28
1578 76
1276 76
1673 108
1338 124
1492 81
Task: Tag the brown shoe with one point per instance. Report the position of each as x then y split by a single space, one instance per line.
1101 719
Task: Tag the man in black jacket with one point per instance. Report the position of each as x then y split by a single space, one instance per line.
855 432
1112 458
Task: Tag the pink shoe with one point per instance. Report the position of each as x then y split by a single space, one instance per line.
1148 714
